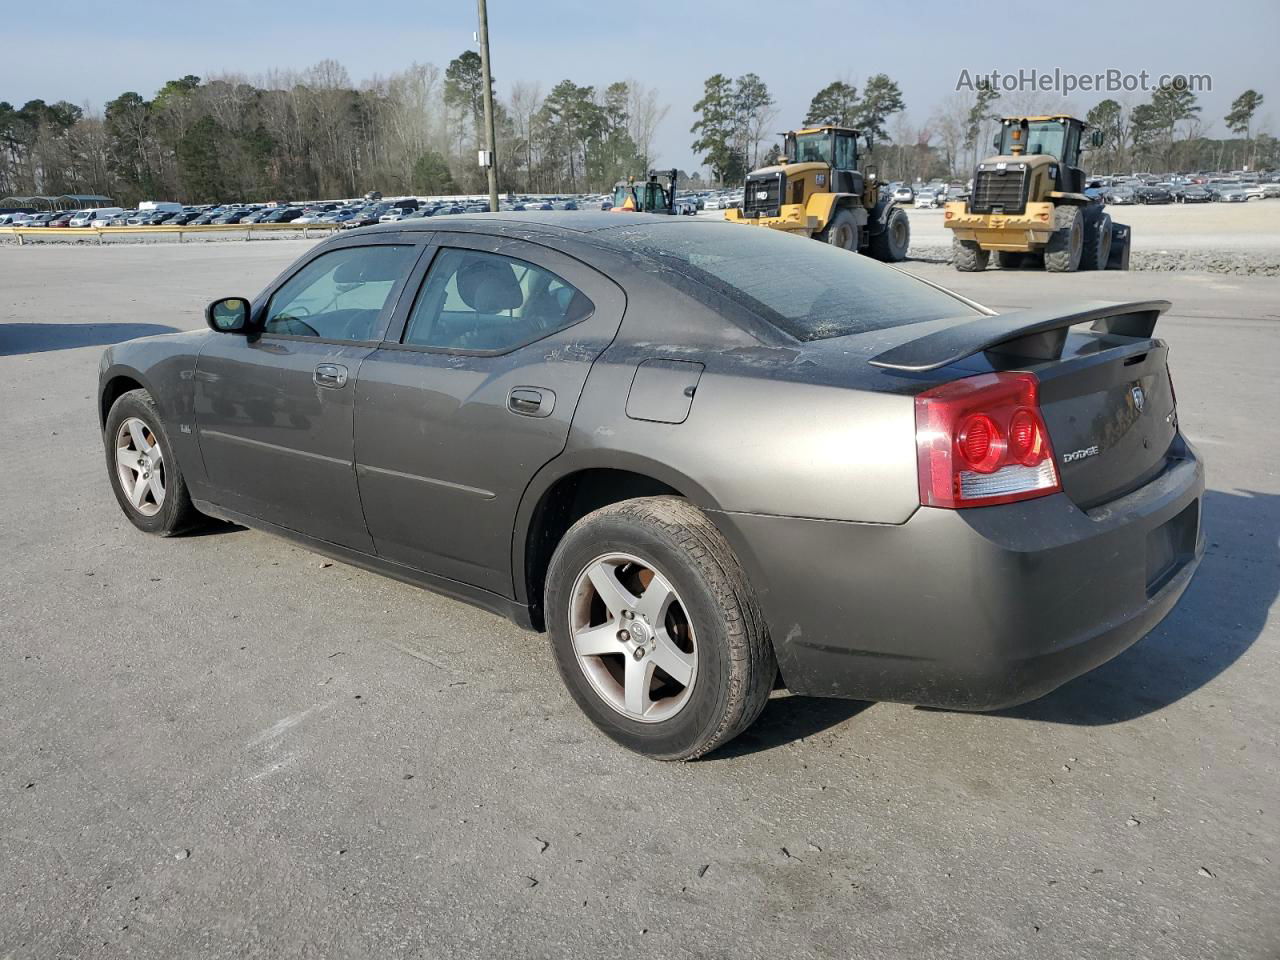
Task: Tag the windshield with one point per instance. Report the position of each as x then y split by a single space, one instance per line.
1041 137
813 148
811 291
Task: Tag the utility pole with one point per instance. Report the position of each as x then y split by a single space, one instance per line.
489 159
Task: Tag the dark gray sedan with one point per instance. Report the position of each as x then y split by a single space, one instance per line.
702 457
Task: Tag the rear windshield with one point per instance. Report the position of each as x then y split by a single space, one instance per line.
810 290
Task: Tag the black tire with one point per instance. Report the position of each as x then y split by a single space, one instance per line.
967 256
735 661
842 231
890 245
176 513
1066 243
1097 244
1009 259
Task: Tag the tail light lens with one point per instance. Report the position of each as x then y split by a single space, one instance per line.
982 441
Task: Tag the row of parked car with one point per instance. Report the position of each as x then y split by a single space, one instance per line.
351 213
1182 189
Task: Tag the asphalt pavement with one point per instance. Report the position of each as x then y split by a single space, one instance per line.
223 745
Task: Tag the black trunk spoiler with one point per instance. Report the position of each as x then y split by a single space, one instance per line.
1037 334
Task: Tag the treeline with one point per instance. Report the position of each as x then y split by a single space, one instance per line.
314 134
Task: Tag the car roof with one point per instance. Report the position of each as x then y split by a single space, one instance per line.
568 221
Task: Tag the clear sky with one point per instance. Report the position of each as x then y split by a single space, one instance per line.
92 50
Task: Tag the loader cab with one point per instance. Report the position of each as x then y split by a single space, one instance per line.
1059 138
646 196
837 147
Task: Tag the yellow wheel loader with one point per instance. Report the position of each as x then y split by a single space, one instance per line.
1028 203
818 191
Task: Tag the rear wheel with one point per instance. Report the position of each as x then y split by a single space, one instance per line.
842 231
968 256
655 630
1066 243
1097 245
145 475
890 245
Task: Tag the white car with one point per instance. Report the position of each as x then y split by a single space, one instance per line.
1255 191
711 203
904 194
930 196
314 217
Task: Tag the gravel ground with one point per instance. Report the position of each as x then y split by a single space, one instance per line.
224 746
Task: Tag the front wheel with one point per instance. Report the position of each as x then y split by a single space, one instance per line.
144 472
842 231
890 245
655 630
968 256
1066 243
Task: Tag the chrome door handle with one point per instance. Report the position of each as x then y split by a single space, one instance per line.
531 401
332 375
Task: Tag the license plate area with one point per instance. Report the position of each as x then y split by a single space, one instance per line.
1170 546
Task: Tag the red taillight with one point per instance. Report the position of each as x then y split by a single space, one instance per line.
982 441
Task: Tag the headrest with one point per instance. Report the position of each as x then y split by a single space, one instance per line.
487 286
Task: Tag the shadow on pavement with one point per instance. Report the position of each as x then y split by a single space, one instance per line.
18 338
786 719
1219 617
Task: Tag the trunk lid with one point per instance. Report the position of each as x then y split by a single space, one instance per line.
1111 418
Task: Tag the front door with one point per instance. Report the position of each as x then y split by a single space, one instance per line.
275 408
470 396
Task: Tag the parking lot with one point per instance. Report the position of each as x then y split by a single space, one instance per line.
225 745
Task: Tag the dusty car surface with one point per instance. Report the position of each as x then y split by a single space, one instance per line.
698 457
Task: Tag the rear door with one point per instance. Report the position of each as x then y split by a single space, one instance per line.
473 391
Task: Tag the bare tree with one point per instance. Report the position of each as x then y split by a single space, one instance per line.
645 114
525 100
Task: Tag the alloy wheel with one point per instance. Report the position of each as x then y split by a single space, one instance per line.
633 638
140 466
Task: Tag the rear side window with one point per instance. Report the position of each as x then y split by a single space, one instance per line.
483 302
809 290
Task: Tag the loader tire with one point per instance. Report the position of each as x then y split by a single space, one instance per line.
968 256
890 244
1097 245
1066 243
842 231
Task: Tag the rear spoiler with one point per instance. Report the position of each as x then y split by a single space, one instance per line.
1037 334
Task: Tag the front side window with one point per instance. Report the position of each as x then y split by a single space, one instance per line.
340 294
483 302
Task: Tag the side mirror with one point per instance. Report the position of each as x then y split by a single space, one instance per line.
995 142
228 315
1097 138
871 173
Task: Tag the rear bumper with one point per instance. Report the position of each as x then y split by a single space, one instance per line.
973 609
